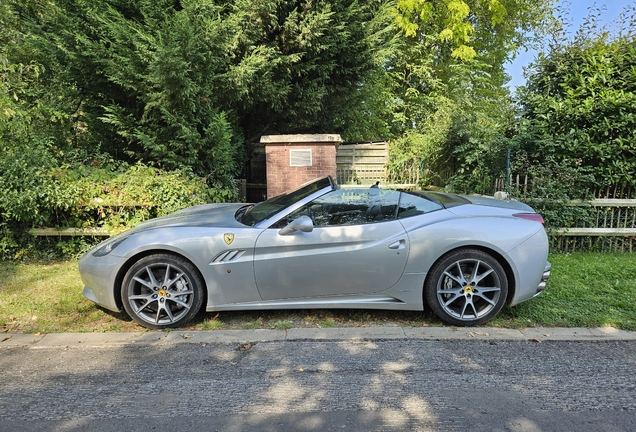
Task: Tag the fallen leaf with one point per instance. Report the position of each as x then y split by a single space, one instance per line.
301 370
536 340
245 347
34 318
471 335
546 335
185 336
37 334
482 333
7 338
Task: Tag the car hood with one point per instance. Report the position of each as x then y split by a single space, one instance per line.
207 215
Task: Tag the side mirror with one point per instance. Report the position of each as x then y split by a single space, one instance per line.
302 223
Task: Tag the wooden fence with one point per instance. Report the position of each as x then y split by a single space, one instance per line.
362 164
523 183
609 225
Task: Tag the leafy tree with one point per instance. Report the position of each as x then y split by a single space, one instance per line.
579 104
448 76
185 83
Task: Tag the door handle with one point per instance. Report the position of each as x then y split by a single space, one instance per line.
400 244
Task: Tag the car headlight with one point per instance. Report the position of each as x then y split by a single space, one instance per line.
108 247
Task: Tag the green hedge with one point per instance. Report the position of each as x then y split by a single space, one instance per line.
113 196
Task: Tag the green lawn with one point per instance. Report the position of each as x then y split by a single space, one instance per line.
48 298
586 289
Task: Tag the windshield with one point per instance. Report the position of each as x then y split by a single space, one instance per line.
266 209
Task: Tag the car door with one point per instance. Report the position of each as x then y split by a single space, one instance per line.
357 246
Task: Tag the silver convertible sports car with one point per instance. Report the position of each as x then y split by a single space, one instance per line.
320 246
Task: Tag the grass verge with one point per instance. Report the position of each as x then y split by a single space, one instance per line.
585 290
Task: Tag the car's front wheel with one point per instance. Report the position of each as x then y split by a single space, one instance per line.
466 287
161 291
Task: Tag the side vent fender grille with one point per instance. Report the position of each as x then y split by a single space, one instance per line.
228 256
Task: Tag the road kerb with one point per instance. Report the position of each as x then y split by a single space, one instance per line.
18 339
577 334
224 336
88 339
177 336
346 333
463 333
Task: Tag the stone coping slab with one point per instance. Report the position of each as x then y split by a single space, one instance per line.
224 336
177 336
463 333
344 333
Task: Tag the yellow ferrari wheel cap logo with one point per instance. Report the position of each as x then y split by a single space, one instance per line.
468 289
228 237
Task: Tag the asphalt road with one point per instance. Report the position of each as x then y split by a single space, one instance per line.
362 385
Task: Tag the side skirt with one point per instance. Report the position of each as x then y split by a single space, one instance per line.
405 295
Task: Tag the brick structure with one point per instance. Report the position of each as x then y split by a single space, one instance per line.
296 159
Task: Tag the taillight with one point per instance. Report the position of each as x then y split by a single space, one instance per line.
531 216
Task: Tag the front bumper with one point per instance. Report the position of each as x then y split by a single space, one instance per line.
98 274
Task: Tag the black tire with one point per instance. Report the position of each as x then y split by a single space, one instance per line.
161 291
466 287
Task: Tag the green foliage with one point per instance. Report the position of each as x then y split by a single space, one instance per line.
143 74
450 65
105 194
447 21
82 196
416 157
124 197
554 184
580 103
186 83
190 83
318 54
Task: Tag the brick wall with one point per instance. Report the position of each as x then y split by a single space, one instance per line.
281 176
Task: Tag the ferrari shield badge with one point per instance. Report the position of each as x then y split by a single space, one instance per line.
228 237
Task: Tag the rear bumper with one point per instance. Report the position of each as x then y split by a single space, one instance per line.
544 279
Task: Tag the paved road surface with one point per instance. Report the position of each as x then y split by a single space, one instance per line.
362 385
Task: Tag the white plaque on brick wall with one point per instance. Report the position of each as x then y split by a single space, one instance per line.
300 157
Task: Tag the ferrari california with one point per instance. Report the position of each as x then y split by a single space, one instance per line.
321 246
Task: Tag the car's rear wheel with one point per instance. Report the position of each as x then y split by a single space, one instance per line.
466 287
162 291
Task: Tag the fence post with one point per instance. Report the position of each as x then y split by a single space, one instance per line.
508 168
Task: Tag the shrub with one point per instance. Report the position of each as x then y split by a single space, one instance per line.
579 102
104 194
